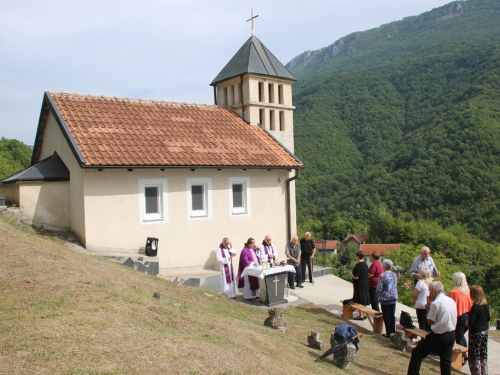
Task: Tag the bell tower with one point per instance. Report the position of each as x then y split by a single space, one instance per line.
257 86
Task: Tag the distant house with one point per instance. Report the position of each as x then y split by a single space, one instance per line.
115 171
356 239
330 245
382 249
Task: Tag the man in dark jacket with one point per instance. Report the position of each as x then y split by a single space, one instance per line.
308 250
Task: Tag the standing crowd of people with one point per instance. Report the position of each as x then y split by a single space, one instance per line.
447 317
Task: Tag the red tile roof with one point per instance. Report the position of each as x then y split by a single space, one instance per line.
369 249
330 245
132 132
360 237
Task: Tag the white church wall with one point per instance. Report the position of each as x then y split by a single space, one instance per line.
45 203
10 192
293 208
53 140
113 219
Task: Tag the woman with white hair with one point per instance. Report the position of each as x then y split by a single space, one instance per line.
387 290
461 295
420 295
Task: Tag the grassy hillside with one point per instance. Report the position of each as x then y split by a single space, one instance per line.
420 135
457 22
66 312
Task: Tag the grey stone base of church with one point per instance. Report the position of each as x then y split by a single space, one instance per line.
139 262
149 265
208 279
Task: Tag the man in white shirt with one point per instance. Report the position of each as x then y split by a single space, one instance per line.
442 317
267 251
424 260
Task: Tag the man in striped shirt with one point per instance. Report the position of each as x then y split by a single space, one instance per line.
424 260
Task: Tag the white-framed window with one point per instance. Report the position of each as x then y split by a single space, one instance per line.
239 196
153 201
199 198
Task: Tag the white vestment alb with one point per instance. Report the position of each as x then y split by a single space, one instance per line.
249 293
227 288
270 250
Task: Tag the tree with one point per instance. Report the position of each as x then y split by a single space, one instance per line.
14 157
338 228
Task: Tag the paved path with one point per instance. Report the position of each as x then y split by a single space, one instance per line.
328 291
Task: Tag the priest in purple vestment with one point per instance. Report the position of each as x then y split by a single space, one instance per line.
248 257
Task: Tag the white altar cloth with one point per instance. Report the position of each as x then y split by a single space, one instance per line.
260 273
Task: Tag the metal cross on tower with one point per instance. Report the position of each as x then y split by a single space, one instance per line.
251 19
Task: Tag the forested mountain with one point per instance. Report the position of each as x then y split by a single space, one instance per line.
462 21
414 128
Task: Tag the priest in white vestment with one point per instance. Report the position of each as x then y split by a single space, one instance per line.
267 251
225 254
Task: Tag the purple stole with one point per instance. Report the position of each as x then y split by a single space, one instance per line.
266 249
229 274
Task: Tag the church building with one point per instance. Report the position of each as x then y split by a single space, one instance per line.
116 171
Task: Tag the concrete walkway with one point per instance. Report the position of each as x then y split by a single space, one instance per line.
329 290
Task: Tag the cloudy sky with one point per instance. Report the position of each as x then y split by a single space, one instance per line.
157 49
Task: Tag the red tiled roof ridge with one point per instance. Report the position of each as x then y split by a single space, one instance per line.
111 131
360 237
320 243
379 244
369 249
132 100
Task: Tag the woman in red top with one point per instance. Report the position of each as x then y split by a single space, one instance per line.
373 275
461 295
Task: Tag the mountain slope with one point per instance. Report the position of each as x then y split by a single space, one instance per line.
420 135
454 23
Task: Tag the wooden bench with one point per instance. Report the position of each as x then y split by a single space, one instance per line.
458 350
374 316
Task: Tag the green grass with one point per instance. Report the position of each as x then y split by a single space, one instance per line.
87 318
